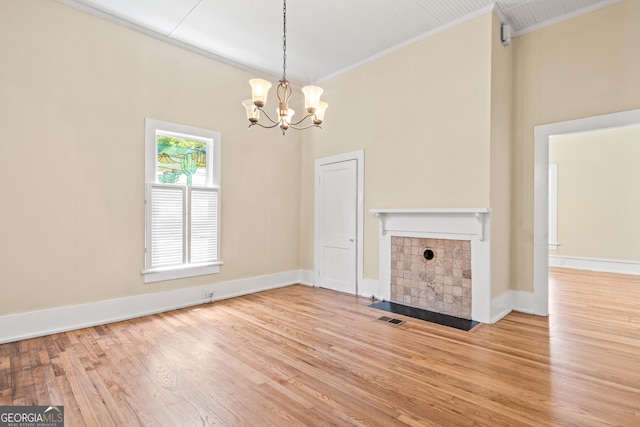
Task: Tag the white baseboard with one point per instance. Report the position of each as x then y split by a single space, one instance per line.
306 277
21 326
501 306
522 301
368 288
596 264
511 301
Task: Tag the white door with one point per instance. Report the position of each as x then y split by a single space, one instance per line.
337 226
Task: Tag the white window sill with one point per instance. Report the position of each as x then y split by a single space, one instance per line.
180 272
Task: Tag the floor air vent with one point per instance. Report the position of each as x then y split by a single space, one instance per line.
391 320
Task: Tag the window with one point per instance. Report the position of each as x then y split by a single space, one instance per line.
182 201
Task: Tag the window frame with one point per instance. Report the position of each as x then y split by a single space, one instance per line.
213 139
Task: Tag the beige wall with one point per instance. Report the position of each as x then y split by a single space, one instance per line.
598 203
501 105
434 119
75 91
422 116
582 67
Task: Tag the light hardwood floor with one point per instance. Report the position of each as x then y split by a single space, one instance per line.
309 356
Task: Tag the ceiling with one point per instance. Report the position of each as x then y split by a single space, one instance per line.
324 38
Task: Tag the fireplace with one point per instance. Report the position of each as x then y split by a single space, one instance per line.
437 259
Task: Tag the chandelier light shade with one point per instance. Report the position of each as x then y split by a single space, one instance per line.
259 91
312 97
315 108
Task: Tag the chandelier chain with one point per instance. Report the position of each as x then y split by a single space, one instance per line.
284 40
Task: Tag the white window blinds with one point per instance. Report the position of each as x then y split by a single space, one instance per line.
167 225
204 225
183 225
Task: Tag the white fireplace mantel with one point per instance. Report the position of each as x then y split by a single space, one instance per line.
472 224
434 213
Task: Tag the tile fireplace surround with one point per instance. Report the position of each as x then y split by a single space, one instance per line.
433 274
456 280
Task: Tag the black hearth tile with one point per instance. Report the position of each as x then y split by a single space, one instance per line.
426 315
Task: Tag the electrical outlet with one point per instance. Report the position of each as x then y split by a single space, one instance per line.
207 294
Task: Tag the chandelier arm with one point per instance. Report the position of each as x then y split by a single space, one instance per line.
263 126
305 127
267 116
302 120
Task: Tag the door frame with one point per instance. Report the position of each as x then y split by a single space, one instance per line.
358 156
541 192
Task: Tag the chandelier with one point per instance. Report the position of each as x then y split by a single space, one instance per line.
260 88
